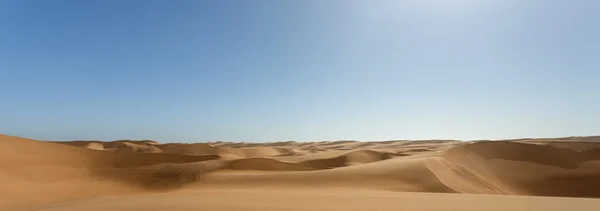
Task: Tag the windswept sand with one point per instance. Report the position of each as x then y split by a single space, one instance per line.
524 174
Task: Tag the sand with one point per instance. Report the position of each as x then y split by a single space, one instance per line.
523 174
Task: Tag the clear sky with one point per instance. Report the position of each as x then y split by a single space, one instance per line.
312 70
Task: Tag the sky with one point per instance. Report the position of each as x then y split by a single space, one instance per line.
312 70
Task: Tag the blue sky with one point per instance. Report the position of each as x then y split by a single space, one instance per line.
270 70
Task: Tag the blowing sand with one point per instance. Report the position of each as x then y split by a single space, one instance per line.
524 174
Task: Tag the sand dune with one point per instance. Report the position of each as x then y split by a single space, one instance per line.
36 171
192 149
38 175
147 146
528 169
330 200
279 164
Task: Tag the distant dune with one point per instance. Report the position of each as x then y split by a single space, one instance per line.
342 175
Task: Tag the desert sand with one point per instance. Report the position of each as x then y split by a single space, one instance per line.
523 174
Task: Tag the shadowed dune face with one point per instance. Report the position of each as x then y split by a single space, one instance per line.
37 172
529 169
539 154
